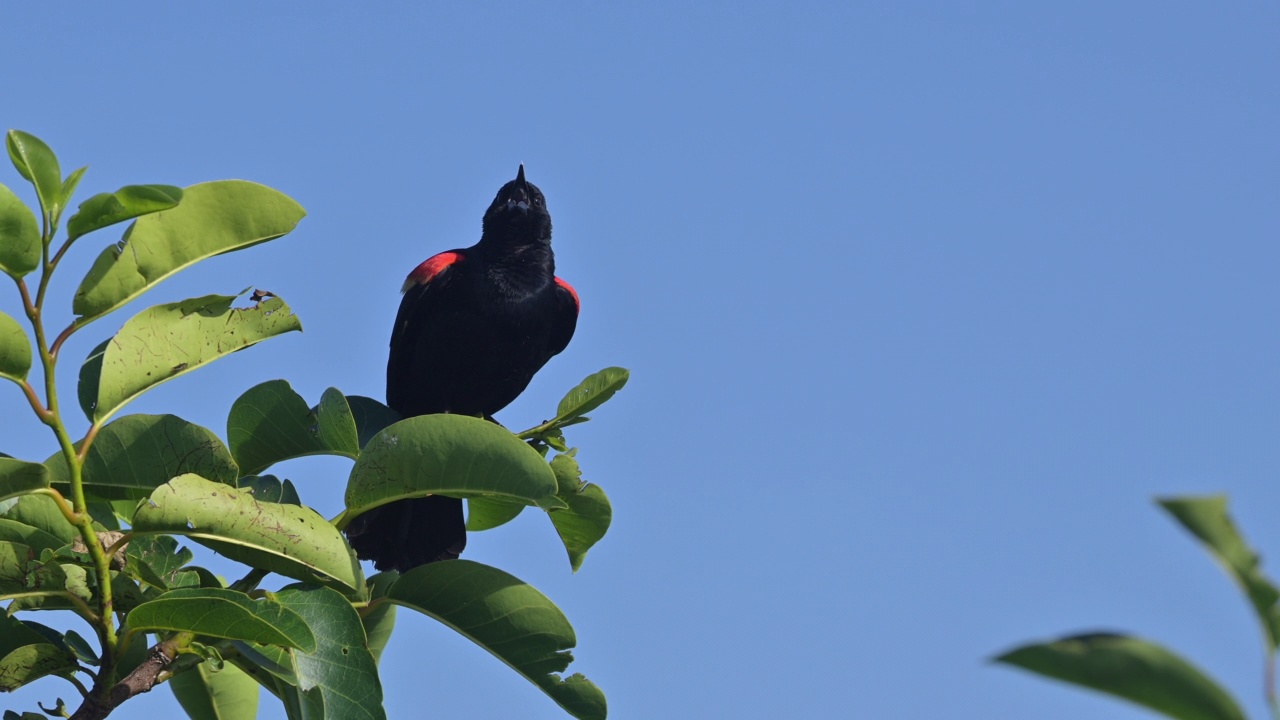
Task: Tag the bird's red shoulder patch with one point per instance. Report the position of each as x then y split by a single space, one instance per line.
576 303
430 268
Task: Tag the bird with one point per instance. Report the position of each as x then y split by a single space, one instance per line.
474 326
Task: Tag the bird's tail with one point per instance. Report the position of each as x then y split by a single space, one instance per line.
407 533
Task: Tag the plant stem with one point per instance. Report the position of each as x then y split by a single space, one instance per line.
80 518
1269 682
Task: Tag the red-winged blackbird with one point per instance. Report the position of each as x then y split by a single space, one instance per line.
473 328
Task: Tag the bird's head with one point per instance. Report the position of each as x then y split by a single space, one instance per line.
519 212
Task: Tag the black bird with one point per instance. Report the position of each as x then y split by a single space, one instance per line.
474 326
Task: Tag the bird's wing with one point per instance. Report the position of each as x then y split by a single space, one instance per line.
423 285
566 316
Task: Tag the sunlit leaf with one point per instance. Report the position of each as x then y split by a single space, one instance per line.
36 162
20 245
591 393
451 455
165 341
127 203
290 540
212 218
486 513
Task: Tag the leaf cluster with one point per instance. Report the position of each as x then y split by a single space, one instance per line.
96 527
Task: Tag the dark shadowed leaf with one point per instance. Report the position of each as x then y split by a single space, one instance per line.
1208 520
507 617
371 417
287 539
223 613
213 218
135 454
20 245
1130 668
339 679
228 694
27 654
270 423
448 455
268 488
36 162
165 341
127 203
381 620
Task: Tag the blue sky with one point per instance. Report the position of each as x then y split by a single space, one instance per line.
923 305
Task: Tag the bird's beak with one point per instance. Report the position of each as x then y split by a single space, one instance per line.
519 199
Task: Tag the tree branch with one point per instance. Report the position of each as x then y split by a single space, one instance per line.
97 706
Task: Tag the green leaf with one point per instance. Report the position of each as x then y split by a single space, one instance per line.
451 455
270 423
371 416
156 559
40 511
213 218
36 162
586 515
268 488
135 454
27 655
1130 668
127 203
287 539
507 617
583 523
20 245
381 620
591 393
223 613
339 679
69 188
33 537
54 581
14 559
81 648
568 473
1208 520
165 341
18 477
487 513
228 694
